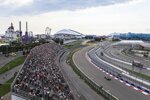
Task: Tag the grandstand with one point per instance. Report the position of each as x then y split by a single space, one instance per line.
40 78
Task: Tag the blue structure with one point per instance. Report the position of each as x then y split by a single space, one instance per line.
132 36
28 35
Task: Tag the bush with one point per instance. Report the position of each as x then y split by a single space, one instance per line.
61 41
56 40
98 39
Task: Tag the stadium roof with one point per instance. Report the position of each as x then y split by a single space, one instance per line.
68 31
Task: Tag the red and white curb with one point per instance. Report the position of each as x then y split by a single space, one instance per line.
135 88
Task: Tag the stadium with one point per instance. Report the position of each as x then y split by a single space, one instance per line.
68 34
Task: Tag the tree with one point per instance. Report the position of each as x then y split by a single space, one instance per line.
61 41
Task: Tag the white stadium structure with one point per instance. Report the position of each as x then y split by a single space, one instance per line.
68 34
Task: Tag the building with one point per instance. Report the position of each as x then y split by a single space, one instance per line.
90 36
131 36
68 34
16 35
11 34
41 36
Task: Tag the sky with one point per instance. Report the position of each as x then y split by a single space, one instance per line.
99 17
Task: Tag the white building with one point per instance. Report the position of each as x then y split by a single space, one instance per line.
68 34
41 36
11 34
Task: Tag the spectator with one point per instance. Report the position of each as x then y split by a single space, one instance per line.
40 77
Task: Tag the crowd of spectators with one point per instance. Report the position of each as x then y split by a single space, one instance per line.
41 77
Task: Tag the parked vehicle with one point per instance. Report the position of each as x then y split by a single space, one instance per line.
13 54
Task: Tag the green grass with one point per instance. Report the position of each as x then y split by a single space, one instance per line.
73 44
139 74
12 64
5 88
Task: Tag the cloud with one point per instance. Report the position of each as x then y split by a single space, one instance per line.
14 2
27 7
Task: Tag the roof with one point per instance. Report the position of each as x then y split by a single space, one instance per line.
129 42
132 41
68 31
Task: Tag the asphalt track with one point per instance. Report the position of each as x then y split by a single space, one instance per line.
114 86
117 53
115 70
79 88
114 56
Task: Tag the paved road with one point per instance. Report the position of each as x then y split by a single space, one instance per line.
7 96
116 57
114 87
9 74
94 52
77 84
117 53
69 41
4 60
111 54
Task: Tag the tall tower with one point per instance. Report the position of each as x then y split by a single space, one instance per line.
12 27
11 24
26 32
20 31
26 26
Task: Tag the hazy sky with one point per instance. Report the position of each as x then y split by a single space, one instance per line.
86 16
